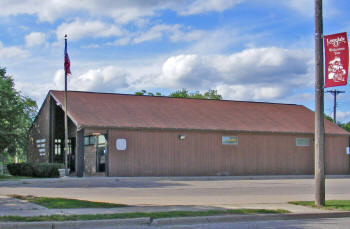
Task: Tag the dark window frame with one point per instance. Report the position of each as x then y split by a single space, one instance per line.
90 140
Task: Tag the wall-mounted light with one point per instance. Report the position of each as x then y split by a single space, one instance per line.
182 136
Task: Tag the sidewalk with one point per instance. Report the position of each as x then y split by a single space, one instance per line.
14 207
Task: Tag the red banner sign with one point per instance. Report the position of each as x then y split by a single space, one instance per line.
337 59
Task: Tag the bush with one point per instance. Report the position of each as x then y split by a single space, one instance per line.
21 169
34 169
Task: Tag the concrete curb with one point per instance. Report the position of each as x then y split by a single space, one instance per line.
169 221
76 224
255 217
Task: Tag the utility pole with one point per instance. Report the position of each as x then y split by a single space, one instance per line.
335 93
319 108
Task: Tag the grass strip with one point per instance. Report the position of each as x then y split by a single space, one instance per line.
4 177
329 204
64 203
152 215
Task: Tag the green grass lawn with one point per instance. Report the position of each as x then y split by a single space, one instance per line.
66 203
329 205
10 177
152 215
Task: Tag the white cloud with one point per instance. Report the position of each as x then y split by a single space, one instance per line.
120 42
343 116
122 11
268 74
307 8
253 74
108 78
35 38
79 29
253 92
35 91
200 6
11 52
175 33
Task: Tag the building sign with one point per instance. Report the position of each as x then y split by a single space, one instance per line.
337 59
229 140
120 144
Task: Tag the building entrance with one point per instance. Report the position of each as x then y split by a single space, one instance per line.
101 152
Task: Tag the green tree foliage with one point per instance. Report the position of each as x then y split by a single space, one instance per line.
345 126
144 92
184 93
16 115
329 118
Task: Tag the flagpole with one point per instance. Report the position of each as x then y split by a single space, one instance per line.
65 114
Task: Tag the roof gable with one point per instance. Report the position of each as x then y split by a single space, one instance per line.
131 111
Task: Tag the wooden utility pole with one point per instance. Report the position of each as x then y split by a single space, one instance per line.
319 108
335 93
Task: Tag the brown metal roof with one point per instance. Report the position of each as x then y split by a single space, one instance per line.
89 109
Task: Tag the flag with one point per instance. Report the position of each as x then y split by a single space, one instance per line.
66 59
337 59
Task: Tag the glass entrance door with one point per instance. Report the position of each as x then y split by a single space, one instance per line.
101 153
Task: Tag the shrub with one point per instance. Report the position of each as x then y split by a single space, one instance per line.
34 169
20 169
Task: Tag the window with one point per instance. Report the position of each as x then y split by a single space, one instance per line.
101 140
69 146
302 142
230 140
89 140
57 146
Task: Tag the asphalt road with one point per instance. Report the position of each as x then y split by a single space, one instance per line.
178 191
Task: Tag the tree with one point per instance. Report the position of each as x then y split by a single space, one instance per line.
144 92
345 126
184 93
16 115
329 118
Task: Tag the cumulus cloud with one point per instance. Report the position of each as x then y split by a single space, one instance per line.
122 11
268 74
256 92
108 78
35 91
11 52
79 29
343 116
253 74
35 38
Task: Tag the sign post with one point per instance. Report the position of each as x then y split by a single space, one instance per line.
319 108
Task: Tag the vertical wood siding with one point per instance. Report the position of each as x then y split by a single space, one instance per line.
162 153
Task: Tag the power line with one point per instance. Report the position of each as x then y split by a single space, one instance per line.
335 93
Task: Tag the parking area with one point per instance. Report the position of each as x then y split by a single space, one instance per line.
161 191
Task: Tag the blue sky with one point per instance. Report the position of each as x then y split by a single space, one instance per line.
253 50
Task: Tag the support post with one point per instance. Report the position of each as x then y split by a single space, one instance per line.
80 153
319 108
